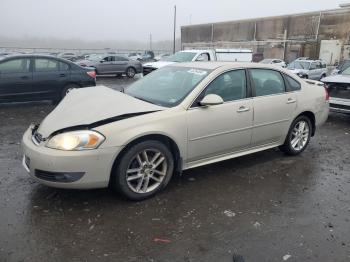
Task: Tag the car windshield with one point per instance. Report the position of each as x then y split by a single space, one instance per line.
167 86
346 71
299 65
266 61
181 57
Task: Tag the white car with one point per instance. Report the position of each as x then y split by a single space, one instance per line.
339 91
309 69
276 62
180 117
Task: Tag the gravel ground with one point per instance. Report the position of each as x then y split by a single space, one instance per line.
266 206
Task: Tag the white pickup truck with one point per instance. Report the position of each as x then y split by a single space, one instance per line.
230 55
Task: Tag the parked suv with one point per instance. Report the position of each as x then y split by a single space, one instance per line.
310 69
39 77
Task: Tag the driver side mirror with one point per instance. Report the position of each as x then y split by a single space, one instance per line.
102 61
211 100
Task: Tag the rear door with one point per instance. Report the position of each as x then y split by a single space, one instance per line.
48 79
314 71
274 107
16 80
120 64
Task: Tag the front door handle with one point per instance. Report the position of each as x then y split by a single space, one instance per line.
242 109
62 75
291 101
25 77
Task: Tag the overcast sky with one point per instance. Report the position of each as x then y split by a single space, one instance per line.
133 19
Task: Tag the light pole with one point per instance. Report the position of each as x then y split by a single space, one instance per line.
150 41
174 29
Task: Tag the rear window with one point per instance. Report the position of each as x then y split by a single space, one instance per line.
64 66
267 82
45 65
292 85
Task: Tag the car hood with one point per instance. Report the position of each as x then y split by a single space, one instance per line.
91 107
158 64
337 79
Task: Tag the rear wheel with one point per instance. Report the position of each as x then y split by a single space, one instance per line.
143 170
130 72
298 136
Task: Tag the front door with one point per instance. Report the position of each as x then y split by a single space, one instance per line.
221 129
16 80
273 107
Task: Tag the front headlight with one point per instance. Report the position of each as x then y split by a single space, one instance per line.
76 140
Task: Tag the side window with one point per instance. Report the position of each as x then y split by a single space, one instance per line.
267 82
229 86
15 66
64 66
292 85
120 58
313 66
109 58
45 65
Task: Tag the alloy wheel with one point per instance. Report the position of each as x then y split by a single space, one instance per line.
146 171
300 135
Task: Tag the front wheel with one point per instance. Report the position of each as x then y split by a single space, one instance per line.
130 72
298 136
143 170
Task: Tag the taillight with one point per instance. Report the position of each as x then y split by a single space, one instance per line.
92 74
327 92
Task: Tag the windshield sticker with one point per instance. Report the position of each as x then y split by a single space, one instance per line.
197 72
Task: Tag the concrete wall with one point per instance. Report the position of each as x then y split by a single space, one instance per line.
301 34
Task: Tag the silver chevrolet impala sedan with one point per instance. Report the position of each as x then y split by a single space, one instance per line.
179 117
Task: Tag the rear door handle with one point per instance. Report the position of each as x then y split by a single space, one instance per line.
62 75
291 101
25 77
242 109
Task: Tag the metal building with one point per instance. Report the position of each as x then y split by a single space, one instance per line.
324 34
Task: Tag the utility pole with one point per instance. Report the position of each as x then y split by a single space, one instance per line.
174 29
150 41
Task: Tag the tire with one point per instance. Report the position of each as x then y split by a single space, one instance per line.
130 72
133 175
67 89
289 147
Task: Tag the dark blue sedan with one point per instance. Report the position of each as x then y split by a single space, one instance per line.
39 77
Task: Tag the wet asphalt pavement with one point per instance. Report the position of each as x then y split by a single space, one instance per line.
265 207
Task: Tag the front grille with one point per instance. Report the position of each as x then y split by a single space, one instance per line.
67 177
147 70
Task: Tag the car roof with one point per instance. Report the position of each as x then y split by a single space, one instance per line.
32 56
215 65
